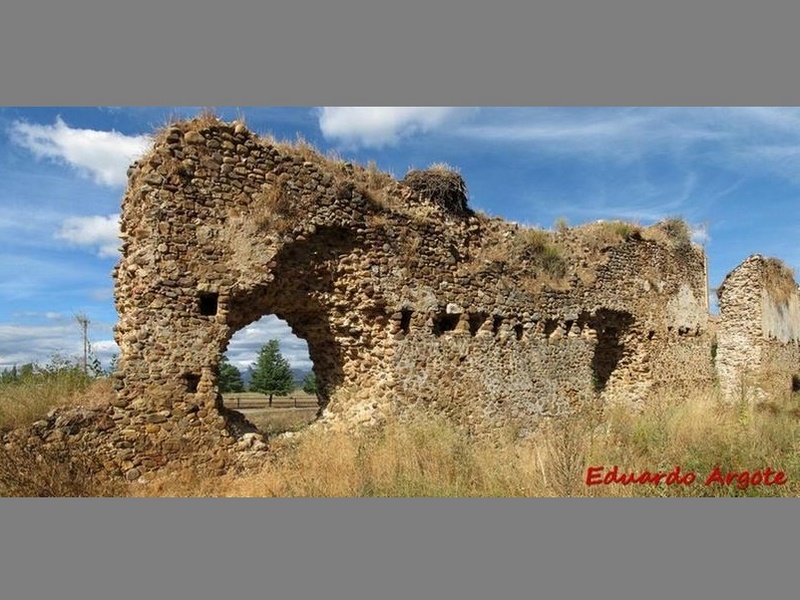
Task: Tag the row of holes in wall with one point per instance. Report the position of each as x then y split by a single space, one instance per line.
443 322
448 322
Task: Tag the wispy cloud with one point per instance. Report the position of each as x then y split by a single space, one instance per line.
700 235
99 232
55 335
377 126
756 139
559 130
621 134
32 314
246 343
104 156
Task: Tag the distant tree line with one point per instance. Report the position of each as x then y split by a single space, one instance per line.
270 374
87 366
58 365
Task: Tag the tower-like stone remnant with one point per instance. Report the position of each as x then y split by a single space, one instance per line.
758 349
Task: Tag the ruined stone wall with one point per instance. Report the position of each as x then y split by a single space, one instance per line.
758 348
514 358
405 302
395 296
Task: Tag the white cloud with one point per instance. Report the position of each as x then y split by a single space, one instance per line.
102 155
700 235
20 344
758 139
245 343
618 134
98 231
376 126
32 314
600 130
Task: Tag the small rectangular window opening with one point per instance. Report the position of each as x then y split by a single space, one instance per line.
444 322
405 319
497 321
550 325
192 381
476 320
208 304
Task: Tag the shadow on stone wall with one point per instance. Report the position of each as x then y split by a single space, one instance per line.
611 327
304 273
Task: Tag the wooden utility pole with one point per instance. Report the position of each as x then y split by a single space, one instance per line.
83 321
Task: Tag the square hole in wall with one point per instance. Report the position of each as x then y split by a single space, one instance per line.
192 381
444 322
208 304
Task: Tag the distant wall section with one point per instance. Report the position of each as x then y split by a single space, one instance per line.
758 348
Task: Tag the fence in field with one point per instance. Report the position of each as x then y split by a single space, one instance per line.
257 401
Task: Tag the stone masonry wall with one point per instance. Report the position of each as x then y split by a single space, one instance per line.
404 303
391 292
759 332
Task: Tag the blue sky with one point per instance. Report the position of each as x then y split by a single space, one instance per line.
732 172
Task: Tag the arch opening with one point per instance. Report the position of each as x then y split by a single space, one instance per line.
302 304
274 400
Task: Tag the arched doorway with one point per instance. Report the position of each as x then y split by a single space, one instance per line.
289 409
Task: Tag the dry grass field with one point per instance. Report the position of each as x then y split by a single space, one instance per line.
287 413
730 449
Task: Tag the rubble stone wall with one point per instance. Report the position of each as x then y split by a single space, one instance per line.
759 331
395 295
405 303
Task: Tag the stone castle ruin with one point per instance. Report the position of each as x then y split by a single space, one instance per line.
408 300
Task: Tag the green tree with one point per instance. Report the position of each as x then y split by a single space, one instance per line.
26 371
310 383
271 372
112 364
9 375
230 378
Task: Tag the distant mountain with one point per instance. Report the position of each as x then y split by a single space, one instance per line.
297 374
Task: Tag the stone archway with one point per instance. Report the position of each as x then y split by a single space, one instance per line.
211 245
405 300
302 276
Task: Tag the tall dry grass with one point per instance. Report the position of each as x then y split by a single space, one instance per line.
428 456
60 470
421 456
699 432
57 469
32 395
